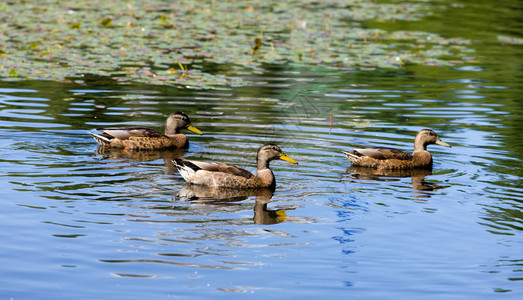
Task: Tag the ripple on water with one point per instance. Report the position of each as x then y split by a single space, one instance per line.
130 215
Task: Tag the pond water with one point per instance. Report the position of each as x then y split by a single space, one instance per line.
83 223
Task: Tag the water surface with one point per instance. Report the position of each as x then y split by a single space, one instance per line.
123 225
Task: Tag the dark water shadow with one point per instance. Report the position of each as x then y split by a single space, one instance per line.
143 155
418 180
205 195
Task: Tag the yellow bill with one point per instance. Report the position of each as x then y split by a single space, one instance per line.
442 143
194 129
286 158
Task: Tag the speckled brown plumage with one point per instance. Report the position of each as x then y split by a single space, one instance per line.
227 175
146 138
389 158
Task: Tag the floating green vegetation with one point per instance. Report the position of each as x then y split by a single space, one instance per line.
202 44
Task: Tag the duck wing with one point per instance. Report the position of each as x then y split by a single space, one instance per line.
383 153
218 167
128 132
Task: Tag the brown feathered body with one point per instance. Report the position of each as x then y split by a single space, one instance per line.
389 158
227 175
140 138
146 138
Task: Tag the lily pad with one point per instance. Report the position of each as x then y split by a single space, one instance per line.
165 43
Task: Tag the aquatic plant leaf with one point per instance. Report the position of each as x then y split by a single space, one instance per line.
158 42
106 22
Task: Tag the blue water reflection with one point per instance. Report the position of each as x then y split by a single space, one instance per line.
82 222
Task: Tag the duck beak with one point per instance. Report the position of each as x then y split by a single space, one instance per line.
286 158
442 143
194 129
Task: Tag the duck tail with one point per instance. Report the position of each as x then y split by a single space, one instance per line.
186 168
350 156
100 139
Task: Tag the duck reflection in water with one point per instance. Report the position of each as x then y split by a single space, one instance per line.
419 182
205 195
143 155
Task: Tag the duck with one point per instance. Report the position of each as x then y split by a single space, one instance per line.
394 159
143 138
216 174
